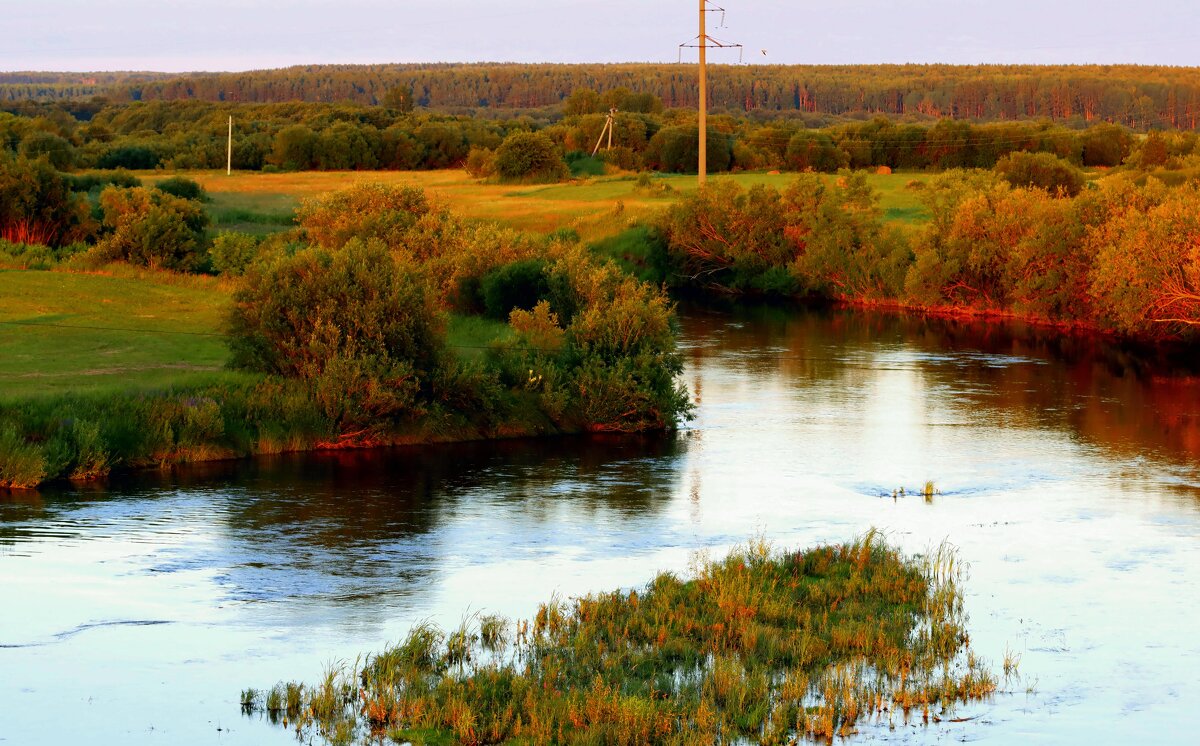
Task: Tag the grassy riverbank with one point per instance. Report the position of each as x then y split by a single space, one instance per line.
762 646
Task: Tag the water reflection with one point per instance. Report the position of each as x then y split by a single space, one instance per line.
1068 467
1132 402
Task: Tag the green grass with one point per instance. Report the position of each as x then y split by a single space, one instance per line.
470 336
141 330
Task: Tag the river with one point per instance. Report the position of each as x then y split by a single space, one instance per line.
1069 471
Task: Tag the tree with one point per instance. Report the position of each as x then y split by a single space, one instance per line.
1105 145
399 98
815 151
530 157
677 150
53 148
37 205
582 101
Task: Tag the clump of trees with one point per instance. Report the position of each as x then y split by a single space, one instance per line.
1121 256
359 318
38 205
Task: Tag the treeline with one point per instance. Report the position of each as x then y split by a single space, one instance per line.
645 136
1140 97
1119 256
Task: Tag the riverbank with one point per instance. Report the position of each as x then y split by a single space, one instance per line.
127 370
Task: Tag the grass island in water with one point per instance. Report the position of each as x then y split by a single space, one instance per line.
764 646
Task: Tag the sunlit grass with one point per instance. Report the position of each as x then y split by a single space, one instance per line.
762 646
65 332
589 205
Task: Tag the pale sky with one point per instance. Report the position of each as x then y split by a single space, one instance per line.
176 35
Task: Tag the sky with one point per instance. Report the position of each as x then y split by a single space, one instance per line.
181 35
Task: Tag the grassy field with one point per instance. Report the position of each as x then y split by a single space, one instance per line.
257 202
62 332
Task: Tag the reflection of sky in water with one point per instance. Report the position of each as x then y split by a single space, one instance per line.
1068 480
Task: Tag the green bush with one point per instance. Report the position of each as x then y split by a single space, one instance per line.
231 252
367 211
1041 171
517 285
361 327
530 157
153 229
132 157
86 182
183 187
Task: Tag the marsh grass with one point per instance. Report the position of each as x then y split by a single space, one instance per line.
763 646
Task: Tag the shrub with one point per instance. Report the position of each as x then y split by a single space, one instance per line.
152 229
95 179
361 327
1041 171
382 212
183 187
231 252
481 163
1146 274
530 157
518 285
132 157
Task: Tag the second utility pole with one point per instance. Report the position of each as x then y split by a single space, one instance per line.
703 163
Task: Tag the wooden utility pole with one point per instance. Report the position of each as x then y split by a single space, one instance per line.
703 95
229 150
608 127
703 42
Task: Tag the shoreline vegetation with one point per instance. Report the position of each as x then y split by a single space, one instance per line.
762 646
340 340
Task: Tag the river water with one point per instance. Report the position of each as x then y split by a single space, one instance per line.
133 613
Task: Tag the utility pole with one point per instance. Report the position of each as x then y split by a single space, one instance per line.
703 39
229 150
608 127
703 42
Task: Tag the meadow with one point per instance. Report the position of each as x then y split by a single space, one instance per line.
594 207
126 328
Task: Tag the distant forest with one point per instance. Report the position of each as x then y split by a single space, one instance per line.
1139 97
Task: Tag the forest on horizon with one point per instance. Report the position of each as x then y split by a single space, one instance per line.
1136 96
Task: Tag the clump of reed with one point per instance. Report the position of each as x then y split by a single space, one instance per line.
764 645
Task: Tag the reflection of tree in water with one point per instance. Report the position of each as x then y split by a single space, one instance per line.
361 526
1130 400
